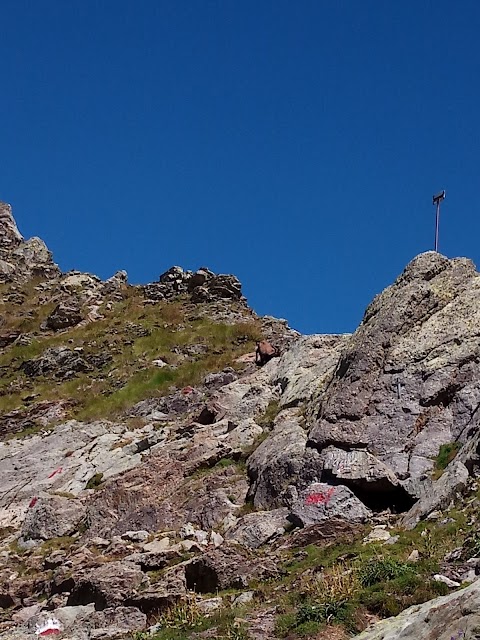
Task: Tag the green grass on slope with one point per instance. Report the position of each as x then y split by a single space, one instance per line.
133 334
337 588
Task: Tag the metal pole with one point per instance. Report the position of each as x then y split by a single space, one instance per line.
437 220
436 200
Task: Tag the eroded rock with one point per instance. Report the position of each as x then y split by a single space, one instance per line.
320 502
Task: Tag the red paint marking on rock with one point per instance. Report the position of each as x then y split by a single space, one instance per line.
320 497
187 390
33 502
54 473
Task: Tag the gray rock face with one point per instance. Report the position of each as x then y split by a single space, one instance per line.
64 316
255 529
10 236
305 369
20 259
443 491
282 461
407 381
226 568
52 517
202 285
455 616
63 460
107 586
321 502
116 621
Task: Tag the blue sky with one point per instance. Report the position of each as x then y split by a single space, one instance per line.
295 144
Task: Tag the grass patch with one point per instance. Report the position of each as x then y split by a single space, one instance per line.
95 481
382 570
267 419
133 335
446 454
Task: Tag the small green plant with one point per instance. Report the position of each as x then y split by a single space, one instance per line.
266 420
446 454
182 615
382 570
95 481
322 612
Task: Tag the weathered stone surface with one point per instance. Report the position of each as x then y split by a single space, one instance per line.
116 621
63 460
456 615
282 461
106 586
39 414
52 517
305 369
407 381
371 480
334 530
442 492
320 502
255 529
64 316
59 362
217 380
225 568
10 236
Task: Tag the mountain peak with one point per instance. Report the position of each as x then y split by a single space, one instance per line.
10 236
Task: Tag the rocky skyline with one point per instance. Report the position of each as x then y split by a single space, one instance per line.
157 483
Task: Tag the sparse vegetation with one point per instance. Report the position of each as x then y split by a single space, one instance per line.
271 412
446 454
382 570
133 335
95 481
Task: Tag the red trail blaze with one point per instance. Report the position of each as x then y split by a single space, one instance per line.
320 497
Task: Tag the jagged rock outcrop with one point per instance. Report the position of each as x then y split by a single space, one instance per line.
408 379
202 285
10 236
20 259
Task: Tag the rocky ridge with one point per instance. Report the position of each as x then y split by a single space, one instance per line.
148 465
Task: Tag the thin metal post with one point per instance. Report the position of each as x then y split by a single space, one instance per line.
437 200
437 220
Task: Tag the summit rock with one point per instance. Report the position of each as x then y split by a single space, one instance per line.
21 260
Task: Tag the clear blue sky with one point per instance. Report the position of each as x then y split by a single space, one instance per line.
295 144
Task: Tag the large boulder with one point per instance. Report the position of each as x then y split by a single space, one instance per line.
59 362
320 502
256 529
408 380
52 517
452 617
106 586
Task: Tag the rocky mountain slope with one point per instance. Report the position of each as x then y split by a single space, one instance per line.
156 483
